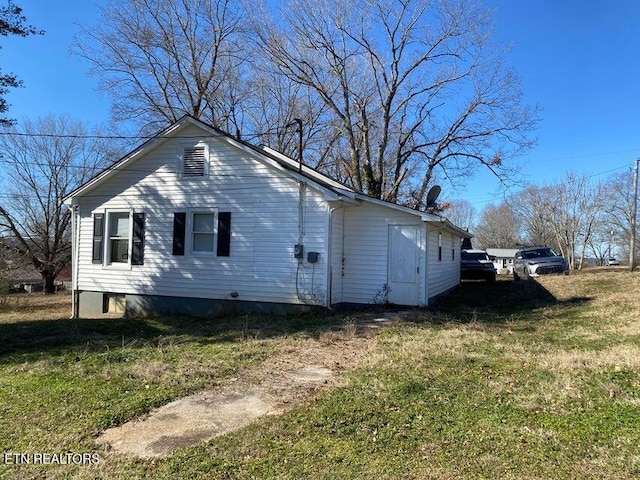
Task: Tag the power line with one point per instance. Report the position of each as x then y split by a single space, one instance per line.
626 165
74 136
586 155
270 131
174 169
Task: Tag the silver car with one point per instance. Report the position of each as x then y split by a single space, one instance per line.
533 262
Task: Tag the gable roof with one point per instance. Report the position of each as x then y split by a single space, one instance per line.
323 183
332 189
502 252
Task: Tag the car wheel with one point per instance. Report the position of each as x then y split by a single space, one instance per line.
515 276
491 278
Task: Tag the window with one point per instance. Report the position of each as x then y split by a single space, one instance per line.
202 232
439 247
122 241
453 248
119 228
113 303
194 161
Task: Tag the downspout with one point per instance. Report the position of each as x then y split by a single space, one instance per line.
427 268
301 185
302 190
75 247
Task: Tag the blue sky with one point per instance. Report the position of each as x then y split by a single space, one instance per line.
579 60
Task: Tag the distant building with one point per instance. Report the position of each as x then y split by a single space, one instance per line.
502 259
19 274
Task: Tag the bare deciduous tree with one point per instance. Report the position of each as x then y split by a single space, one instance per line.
275 102
461 213
618 196
43 162
498 227
571 208
161 60
600 244
4 269
528 207
563 215
391 94
413 88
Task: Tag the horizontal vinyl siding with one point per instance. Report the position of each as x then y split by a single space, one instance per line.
337 252
264 229
366 239
445 274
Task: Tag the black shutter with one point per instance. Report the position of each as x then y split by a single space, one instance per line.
179 229
224 234
98 235
137 251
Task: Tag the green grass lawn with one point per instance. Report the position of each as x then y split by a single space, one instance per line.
505 380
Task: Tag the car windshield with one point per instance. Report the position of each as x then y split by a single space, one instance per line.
474 256
539 253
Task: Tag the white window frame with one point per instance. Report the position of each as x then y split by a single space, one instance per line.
106 258
196 144
190 233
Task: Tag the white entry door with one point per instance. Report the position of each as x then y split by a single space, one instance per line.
403 272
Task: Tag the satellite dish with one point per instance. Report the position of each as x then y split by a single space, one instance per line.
432 196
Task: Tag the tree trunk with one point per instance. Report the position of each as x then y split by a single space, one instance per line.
49 282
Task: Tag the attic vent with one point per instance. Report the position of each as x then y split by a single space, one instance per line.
193 161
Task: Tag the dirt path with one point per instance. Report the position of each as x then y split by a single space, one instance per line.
278 384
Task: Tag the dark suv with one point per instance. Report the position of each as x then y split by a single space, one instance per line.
476 265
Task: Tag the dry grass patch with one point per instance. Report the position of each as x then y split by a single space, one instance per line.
510 380
629 328
550 395
35 306
618 357
458 340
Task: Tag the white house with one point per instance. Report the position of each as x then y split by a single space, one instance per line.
502 259
195 221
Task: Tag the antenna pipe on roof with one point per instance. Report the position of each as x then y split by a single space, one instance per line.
299 122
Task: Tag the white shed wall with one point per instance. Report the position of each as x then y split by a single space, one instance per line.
366 243
443 274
